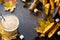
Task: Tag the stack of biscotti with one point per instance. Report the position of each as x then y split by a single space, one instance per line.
50 6
47 28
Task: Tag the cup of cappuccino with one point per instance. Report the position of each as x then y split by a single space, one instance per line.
10 25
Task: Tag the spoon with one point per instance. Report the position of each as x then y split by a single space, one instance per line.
2 16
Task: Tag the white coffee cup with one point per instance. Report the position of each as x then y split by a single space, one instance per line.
10 25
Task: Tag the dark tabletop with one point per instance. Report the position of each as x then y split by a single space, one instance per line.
27 21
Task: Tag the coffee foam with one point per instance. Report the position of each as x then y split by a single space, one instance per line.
11 23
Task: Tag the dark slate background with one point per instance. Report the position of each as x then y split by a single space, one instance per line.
27 21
